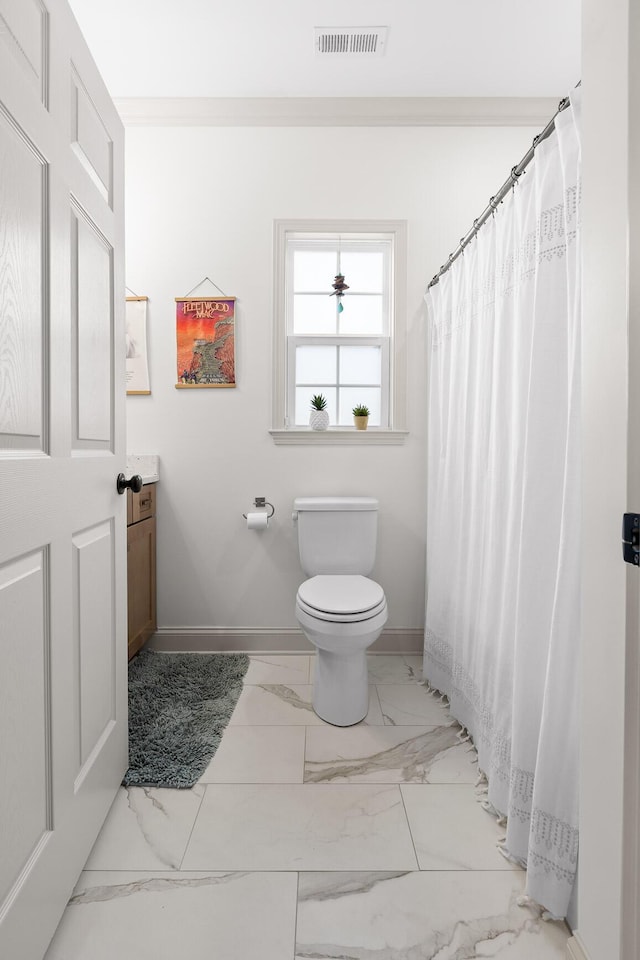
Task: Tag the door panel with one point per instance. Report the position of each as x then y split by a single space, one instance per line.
90 138
23 28
92 306
24 713
63 696
22 245
95 637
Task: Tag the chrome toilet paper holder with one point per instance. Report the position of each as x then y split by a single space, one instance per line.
262 502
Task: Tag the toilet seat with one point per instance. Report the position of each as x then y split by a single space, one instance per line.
341 618
343 598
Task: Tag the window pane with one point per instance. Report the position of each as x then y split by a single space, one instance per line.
361 315
356 396
314 314
360 364
303 404
363 271
314 271
316 365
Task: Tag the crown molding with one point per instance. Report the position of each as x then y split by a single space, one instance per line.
335 111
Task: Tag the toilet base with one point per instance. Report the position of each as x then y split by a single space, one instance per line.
341 687
341 683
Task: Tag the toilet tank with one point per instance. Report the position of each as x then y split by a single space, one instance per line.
336 534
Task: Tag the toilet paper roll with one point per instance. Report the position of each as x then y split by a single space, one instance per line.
257 521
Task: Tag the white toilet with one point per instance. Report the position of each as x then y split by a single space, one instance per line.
340 610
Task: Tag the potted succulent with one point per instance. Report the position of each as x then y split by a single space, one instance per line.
361 416
319 419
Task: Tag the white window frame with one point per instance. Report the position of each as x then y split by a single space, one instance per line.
392 342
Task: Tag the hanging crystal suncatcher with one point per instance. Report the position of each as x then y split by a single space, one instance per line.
339 287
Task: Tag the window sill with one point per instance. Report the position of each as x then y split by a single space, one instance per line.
339 437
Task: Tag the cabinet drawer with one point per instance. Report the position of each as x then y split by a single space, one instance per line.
143 504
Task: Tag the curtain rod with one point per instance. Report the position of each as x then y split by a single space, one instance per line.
510 182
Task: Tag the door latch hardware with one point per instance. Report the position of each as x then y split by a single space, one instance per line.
135 483
631 538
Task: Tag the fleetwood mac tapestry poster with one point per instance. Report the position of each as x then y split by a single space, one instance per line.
205 329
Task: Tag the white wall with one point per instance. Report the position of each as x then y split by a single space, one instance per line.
202 201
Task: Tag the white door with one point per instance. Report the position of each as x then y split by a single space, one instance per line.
630 940
608 888
63 725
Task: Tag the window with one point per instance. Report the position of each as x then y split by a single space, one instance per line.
347 348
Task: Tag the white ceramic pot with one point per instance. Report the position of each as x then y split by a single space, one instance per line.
319 420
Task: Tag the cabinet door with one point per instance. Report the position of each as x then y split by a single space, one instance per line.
141 574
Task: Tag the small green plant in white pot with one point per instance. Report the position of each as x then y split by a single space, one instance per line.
361 416
319 419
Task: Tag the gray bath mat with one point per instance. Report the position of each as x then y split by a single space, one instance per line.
179 704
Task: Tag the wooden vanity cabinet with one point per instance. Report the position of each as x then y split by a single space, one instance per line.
141 566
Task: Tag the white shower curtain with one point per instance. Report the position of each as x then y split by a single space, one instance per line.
502 620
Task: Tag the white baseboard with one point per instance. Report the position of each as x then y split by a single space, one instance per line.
576 949
270 640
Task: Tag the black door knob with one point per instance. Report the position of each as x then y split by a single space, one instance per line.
135 483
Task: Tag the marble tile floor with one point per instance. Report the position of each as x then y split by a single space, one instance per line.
304 840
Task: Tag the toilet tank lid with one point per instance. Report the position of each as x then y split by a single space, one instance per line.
335 503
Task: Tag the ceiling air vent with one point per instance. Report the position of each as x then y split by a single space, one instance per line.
351 41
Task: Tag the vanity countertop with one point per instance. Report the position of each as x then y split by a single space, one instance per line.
147 465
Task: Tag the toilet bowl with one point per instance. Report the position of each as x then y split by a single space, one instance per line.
339 608
341 615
